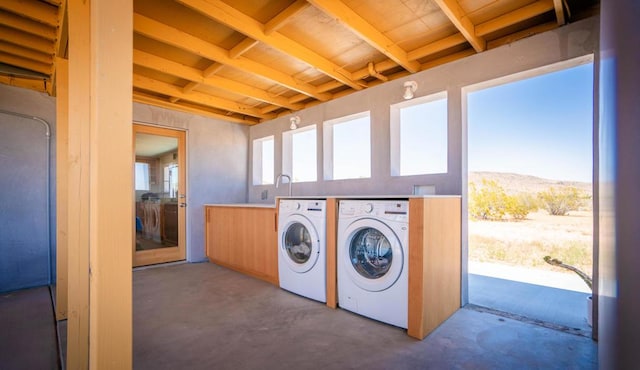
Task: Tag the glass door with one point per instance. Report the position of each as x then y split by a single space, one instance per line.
159 195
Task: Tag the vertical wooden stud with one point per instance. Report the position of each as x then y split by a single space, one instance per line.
62 186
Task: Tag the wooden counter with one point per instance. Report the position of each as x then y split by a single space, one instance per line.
243 238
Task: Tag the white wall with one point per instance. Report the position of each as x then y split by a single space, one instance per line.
27 243
217 153
565 43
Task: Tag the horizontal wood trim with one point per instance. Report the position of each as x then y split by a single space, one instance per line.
25 83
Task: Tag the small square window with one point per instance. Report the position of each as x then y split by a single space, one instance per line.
299 154
419 136
263 160
347 147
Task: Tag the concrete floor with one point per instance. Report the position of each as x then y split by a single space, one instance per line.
202 316
551 305
27 331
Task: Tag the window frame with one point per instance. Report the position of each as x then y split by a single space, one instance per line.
258 161
395 132
287 152
328 144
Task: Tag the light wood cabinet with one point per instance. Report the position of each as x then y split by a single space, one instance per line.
244 239
434 262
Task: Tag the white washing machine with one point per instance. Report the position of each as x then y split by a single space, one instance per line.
302 256
373 253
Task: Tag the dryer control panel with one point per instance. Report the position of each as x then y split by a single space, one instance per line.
381 209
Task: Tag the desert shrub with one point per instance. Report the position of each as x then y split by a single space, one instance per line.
519 206
559 202
488 202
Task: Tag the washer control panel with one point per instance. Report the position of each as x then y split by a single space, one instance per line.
397 210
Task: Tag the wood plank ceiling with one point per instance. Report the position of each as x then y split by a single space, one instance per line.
253 60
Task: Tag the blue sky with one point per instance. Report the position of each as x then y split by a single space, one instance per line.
540 126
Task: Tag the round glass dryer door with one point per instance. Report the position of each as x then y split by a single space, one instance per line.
374 254
299 244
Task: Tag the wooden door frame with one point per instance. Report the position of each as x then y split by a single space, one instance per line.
169 254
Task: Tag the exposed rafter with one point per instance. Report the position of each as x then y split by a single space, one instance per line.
26 40
559 8
516 16
227 15
457 16
169 35
149 84
28 26
284 16
338 10
35 10
196 76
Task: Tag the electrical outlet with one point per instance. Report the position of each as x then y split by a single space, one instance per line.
264 195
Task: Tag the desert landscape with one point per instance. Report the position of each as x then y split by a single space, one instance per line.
525 242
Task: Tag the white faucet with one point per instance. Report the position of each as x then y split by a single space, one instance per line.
280 176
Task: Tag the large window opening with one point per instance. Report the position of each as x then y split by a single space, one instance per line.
419 136
263 160
530 163
299 154
347 147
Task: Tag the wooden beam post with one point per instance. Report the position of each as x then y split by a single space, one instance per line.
62 186
101 182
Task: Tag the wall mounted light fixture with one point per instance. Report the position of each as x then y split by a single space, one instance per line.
409 88
295 121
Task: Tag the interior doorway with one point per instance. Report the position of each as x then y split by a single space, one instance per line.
530 194
160 197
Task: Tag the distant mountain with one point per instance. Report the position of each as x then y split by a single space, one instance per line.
514 183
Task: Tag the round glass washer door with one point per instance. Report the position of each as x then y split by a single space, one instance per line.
299 244
374 255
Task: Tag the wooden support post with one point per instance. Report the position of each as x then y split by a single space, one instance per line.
100 187
331 248
62 185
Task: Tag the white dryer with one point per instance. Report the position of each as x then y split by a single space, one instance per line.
302 256
373 253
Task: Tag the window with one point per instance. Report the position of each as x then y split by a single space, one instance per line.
419 136
263 161
142 176
171 180
299 154
347 147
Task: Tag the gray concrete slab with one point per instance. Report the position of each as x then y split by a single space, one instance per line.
202 316
28 339
556 306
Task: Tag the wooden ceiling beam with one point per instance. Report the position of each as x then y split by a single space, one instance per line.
26 40
34 10
285 16
171 36
350 19
231 17
558 5
164 88
21 62
457 16
242 47
514 17
235 52
25 83
143 98
25 53
197 77
437 46
28 26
